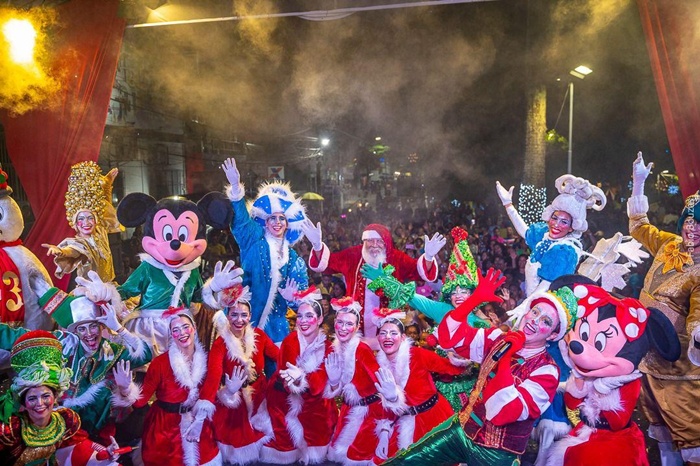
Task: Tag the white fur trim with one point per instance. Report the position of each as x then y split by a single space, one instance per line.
555 454
235 195
242 455
261 420
423 272
637 205
605 385
309 360
237 350
137 346
401 369
275 276
124 401
272 456
371 234
595 401
190 450
347 354
314 455
86 398
205 407
407 429
354 419
323 260
189 375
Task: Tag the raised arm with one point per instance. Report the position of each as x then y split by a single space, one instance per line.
507 201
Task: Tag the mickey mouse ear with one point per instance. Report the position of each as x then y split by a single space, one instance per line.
663 336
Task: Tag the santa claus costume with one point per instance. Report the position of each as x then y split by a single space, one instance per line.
353 362
423 407
349 262
176 382
235 379
301 418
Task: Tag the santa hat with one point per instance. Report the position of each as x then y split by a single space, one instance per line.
346 304
690 209
461 271
562 299
37 358
275 197
382 315
67 310
309 295
576 195
235 294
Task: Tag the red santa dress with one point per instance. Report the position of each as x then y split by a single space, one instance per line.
301 418
175 383
238 441
355 437
349 262
423 407
606 435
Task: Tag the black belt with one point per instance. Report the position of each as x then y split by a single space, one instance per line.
368 400
421 408
178 408
601 423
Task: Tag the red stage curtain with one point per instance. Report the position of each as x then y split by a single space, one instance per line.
670 27
44 144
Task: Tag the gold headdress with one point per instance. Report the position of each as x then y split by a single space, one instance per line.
86 191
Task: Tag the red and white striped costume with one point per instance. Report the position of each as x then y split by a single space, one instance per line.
616 440
356 434
505 419
238 441
302 419
412 371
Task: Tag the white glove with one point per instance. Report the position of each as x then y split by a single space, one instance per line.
506 196
313 233
433 245
110 319
113 457
236 380
387 385
232 175
194 431
292 374
640 172
122 375
93 288
290 289
225 276
382 450
334 369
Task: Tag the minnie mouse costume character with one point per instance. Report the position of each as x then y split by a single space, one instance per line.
168 276
604 350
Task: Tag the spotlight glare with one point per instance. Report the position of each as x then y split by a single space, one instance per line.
21 36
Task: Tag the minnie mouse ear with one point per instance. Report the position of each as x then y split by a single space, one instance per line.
569 281
663 336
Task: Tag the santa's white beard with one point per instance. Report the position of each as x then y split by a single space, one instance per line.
374 261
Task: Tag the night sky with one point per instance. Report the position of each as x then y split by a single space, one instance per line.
445 82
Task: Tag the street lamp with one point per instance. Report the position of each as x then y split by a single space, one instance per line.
580 72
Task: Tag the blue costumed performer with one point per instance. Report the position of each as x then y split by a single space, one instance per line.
265 231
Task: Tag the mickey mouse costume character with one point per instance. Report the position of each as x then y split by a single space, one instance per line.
168 276
672 285
603 350
265 232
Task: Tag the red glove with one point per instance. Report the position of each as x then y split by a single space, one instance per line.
485 292
504 377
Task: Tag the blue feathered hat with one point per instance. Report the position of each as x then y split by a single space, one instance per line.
276 197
